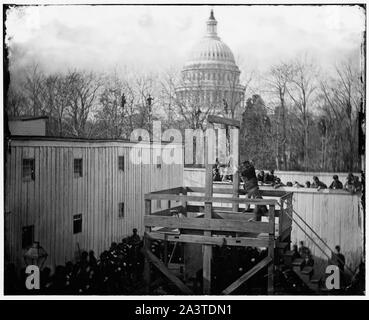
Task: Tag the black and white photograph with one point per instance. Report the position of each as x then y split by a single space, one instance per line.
172 149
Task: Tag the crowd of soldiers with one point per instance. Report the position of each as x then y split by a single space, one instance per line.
118 271
352 184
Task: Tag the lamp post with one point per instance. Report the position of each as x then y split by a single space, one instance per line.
35 255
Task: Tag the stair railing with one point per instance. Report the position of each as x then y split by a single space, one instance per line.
311 238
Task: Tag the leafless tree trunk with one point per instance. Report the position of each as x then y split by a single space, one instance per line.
278 79
83 88
301 89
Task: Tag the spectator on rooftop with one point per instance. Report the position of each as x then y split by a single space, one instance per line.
297 185
278 183
261 176
270 178
336 183
357 184
318 184
349 184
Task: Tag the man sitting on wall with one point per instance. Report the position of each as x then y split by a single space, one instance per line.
261 177
278 183
336 184
357 184
270 178
296 184
349 185
318 184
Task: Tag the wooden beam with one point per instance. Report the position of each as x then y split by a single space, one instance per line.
207 249
236 161
174 197
184 203
167 212
265 191
195 208
216 190
164 270
233 216
226 121
282 217
263 263
229 214
177 190
270 192
217 241
271 250
147 267
288 195
206 224
285 233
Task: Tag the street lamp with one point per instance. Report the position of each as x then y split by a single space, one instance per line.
35 255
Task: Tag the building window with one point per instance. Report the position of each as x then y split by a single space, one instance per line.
121 210
158 204
28 234
28 169
77 223
158 162
121 163
77 168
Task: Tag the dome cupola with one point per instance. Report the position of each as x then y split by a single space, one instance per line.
211 76
211 48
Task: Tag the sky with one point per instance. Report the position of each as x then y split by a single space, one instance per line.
150 38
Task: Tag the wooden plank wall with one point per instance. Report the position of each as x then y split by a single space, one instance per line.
336 218
50 201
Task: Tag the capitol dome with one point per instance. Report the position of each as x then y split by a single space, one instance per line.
211 76
211 49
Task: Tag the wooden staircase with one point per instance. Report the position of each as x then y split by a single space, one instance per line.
287 262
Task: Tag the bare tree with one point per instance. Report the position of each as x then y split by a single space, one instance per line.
16 102
33 90
278 78
113 106
56 97
83 88
340 98
301 90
